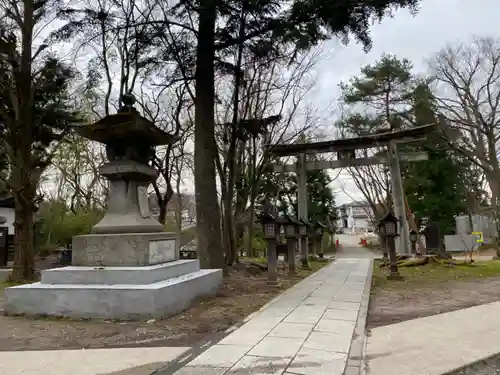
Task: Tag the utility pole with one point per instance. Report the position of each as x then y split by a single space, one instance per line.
398 198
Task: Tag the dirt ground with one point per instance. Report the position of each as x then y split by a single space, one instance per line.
400 301
240 295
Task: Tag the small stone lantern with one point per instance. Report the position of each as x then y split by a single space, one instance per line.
319 229
303 226
270 227
388 226
292 228
304 234
413 241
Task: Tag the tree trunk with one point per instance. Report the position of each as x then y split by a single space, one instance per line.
24 197
163 200
205 151
251 216
178 212
254 187
162 217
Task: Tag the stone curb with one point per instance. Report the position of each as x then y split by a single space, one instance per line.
471 364
356 364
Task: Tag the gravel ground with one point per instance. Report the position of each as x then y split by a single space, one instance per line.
490 366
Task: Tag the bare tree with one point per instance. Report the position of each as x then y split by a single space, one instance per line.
373 181
112 36
467 89
171 111
270 110
75 173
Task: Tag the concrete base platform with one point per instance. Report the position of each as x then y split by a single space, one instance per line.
119 275
119 301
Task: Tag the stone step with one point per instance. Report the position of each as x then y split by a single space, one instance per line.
119 275
120 302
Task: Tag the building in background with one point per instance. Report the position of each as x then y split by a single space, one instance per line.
187 202
355 217
7 213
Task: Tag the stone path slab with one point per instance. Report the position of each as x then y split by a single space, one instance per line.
308 330
443 342
121 361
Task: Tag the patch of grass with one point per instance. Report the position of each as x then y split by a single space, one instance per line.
259 260
316 265
434 273
7 284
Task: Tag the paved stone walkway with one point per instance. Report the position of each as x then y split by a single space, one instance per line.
308 330
122 361
435 345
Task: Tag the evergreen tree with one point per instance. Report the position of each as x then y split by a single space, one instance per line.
281 191
435 188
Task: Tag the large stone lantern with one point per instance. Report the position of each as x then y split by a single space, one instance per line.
127 235
130 141
128 267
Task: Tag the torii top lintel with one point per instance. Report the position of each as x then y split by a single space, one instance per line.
367 141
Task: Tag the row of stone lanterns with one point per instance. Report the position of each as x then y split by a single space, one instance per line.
294 231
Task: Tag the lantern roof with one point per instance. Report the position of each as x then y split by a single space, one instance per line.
269 216
388 216
305 222
125 125
287 220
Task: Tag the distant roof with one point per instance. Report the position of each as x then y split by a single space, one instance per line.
356 204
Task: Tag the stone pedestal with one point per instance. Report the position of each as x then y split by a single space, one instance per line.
126 249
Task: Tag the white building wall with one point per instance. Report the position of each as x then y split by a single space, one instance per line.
8 214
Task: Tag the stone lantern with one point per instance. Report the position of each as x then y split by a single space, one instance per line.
130 141
291 227
304 235
388 226
319 229
130 236
270 227
128 267
413 241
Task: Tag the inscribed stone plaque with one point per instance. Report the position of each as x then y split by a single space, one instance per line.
142 198
161 251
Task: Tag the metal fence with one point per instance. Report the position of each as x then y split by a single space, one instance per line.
480 223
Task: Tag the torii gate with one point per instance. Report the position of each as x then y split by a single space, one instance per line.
346 157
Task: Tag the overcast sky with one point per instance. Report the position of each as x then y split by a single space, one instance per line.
438 23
